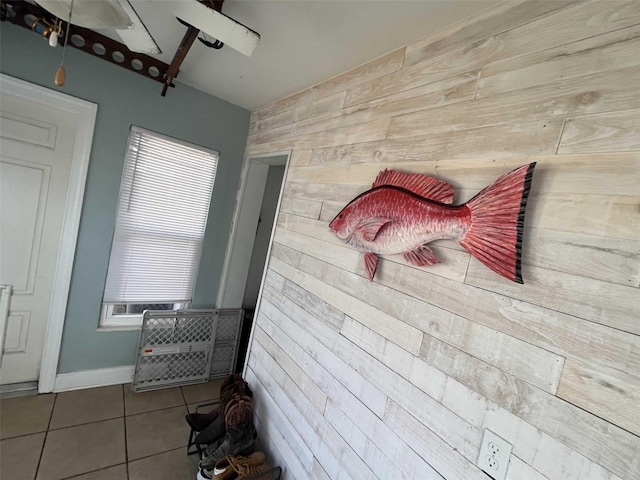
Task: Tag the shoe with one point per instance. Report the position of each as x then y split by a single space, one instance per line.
238 412
245 472
233 378
238 471
200 421
204 475
226 464
233 385
240 441
238 388
212 447
212 432
239 415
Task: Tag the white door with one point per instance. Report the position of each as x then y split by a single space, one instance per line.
37 143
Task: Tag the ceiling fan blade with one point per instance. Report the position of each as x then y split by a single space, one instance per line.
217 25
106 14
136 37
89 13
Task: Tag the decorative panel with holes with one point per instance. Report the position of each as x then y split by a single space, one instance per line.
181 347
29 16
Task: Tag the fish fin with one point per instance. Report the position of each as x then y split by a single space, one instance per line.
422 256
371 226
497 222
371 264
418 183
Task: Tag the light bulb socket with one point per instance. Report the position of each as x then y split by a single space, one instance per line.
44 28
53 39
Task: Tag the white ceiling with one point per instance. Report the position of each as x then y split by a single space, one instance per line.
303 42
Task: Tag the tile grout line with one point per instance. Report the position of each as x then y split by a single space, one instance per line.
46 435
82 424
92 471
184 399
124 414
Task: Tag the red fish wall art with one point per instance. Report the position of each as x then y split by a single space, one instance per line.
403 212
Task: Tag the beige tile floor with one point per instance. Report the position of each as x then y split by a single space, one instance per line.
106 433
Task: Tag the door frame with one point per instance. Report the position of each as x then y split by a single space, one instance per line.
253 164
86 112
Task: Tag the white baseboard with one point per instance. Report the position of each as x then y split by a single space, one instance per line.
93 378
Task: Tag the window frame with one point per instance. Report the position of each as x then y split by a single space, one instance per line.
124 321
133 321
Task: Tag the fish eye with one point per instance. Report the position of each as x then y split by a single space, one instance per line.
340 215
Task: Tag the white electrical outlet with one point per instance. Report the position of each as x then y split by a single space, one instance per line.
494 455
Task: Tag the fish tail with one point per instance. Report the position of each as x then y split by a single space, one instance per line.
497 221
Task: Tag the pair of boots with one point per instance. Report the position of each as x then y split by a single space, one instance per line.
211 426
239 439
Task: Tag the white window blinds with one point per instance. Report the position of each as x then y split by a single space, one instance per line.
162 214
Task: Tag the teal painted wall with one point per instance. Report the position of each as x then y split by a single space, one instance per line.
125 98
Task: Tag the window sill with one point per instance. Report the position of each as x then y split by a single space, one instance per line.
119 328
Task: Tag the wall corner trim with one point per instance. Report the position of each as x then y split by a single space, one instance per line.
93 378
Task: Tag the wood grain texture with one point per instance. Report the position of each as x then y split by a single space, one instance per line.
266 136
604 132
301 207
445 423
594 174
396 378
595 93
302 419
369 131
422 440
410 463
466 59
306 386
364 447
616 306
609 216
316 361
322 352
613 260
508 140
319 108
610 446
582 20
300 157
354 174
456 392
452 90
551 457
594 55
403 335
535 365
613 395
274 422
325 441
503 17
379 67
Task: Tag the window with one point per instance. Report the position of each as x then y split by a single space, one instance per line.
162 213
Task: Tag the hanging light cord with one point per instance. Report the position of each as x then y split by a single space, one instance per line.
66 34
61 76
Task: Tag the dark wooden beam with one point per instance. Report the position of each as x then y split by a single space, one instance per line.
15 11
189 37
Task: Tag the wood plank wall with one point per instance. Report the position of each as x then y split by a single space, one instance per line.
397 378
